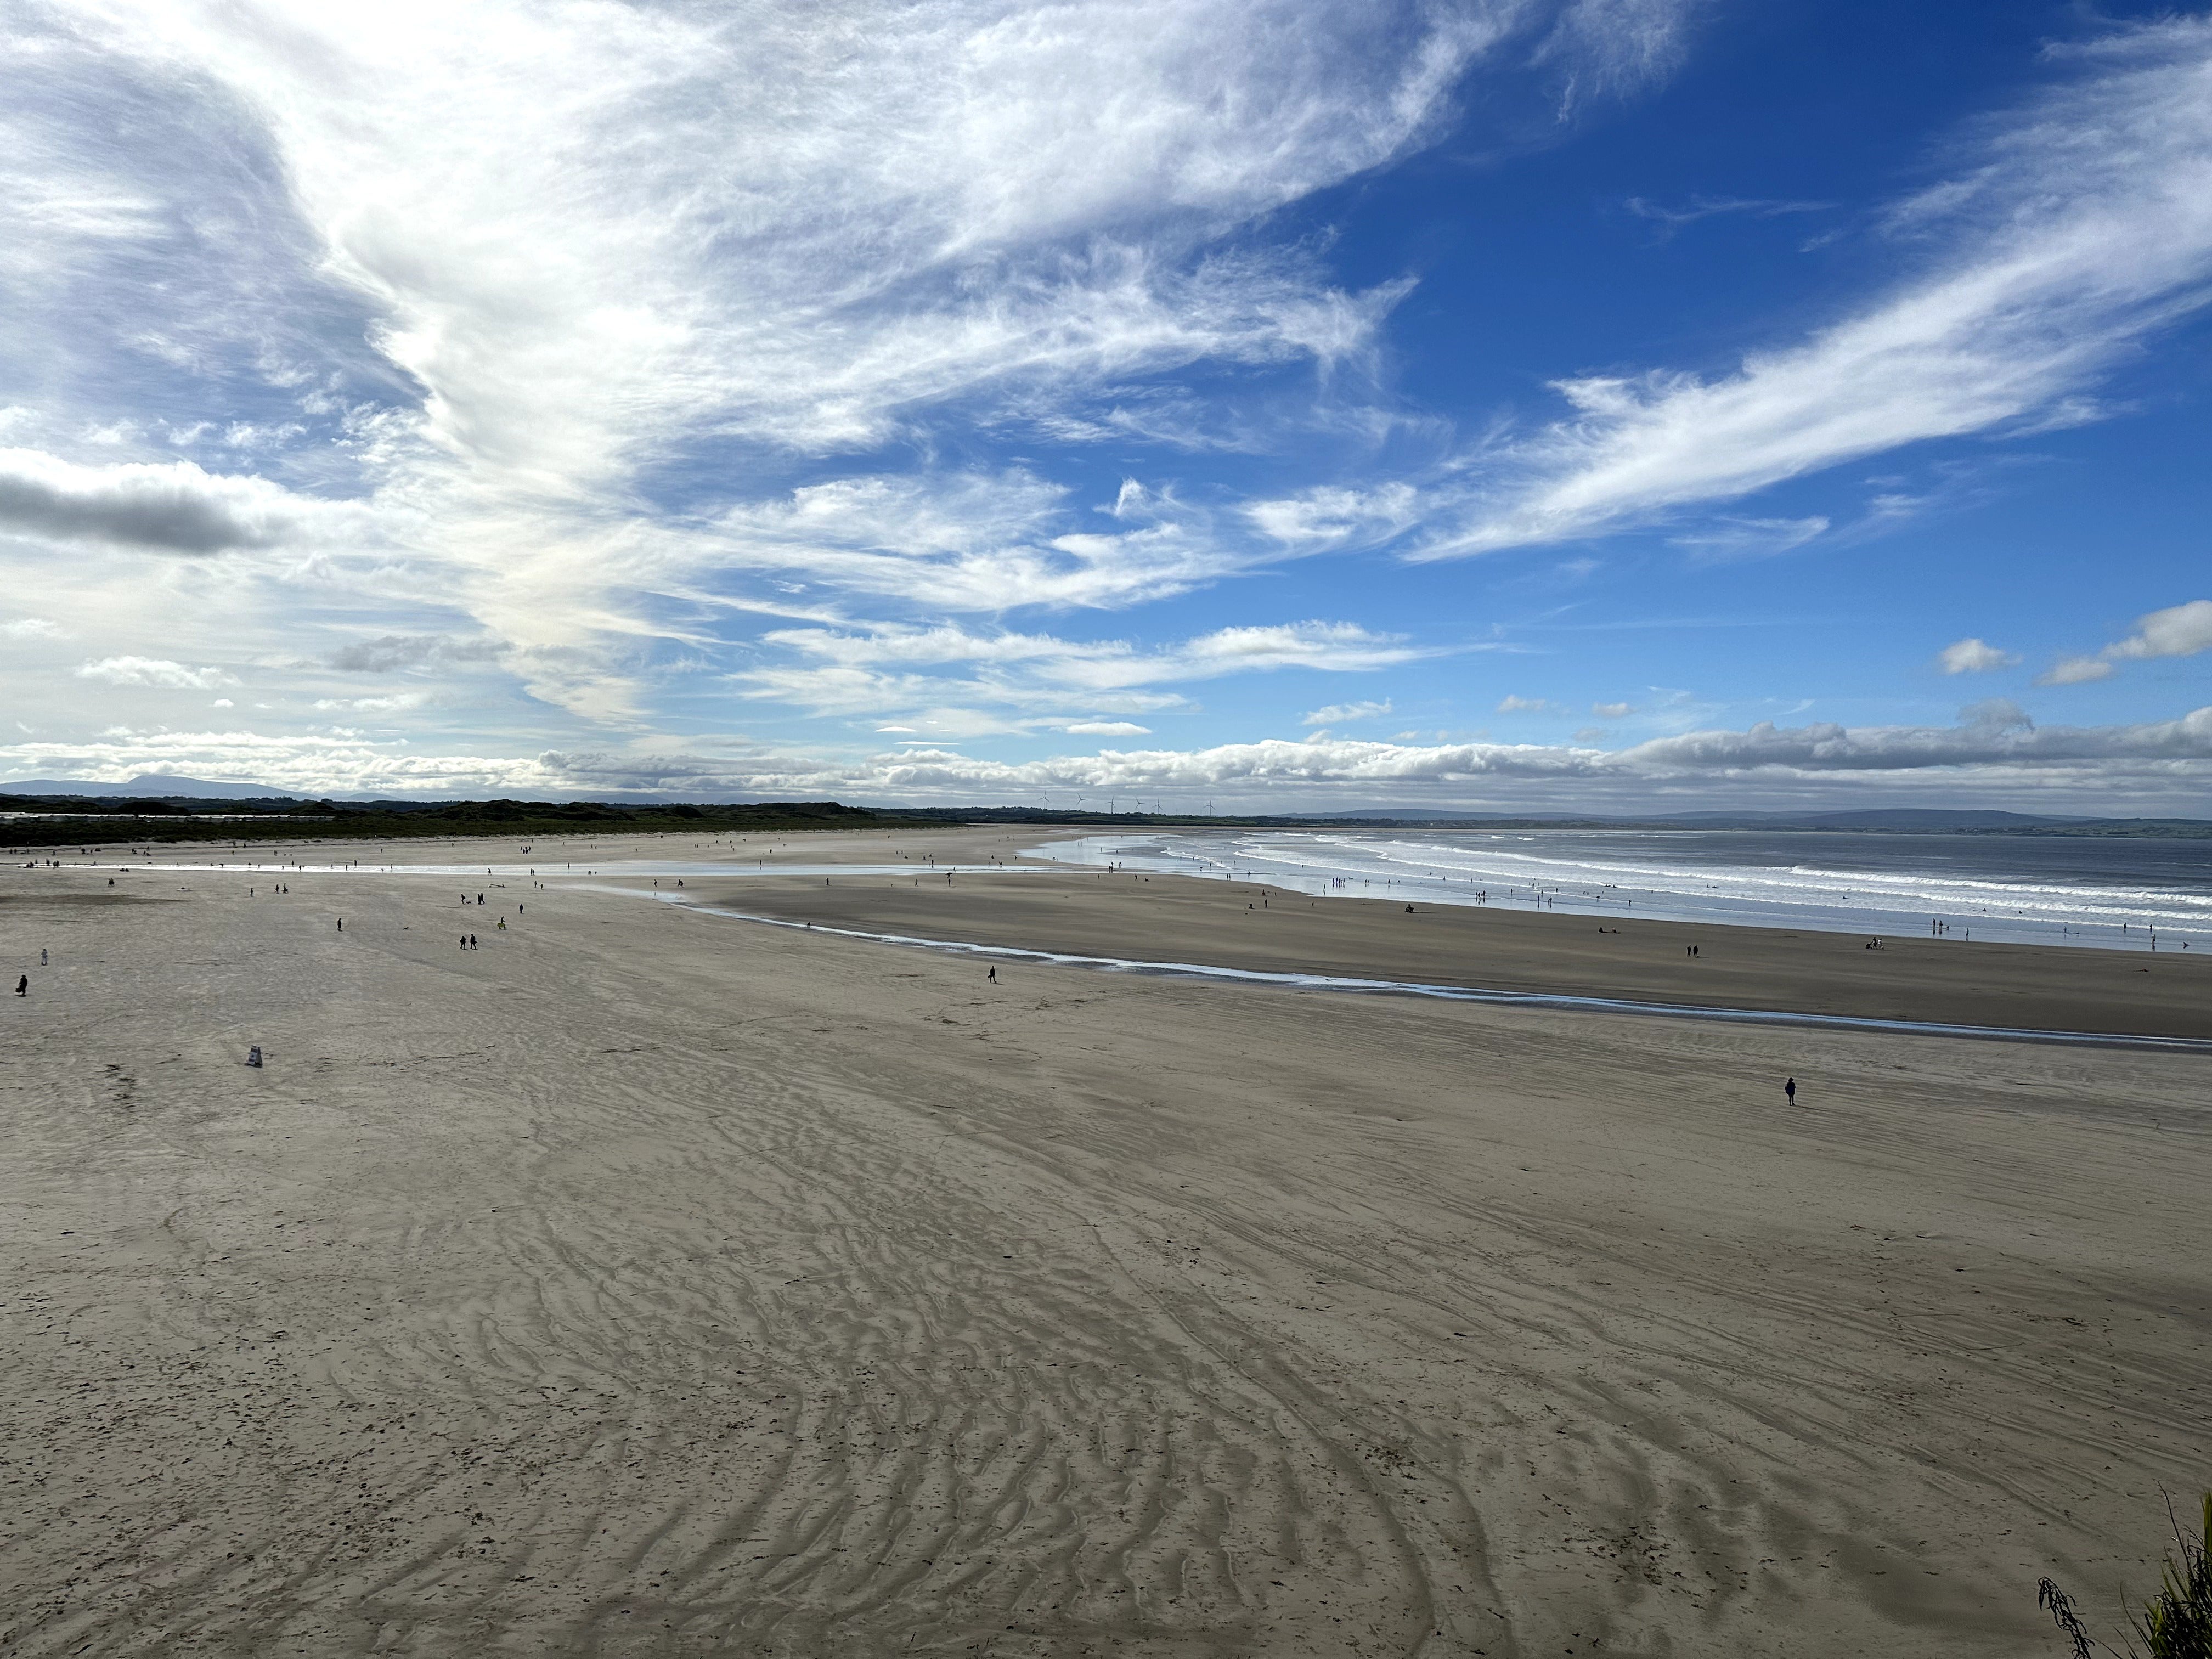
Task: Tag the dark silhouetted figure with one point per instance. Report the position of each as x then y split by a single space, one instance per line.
23 985
992 977
1789 1089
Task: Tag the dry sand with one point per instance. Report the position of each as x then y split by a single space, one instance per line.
647 1283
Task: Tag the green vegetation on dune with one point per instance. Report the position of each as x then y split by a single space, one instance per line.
2174 1623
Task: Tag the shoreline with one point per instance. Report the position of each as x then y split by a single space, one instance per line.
1066 910
1556 1002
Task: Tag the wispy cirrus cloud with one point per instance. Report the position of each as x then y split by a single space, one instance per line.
2079 224
1672 218
1728 538
570 296
883 671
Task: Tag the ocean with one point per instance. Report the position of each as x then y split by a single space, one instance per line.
2126 894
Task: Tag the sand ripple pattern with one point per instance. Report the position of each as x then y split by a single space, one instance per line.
642 1286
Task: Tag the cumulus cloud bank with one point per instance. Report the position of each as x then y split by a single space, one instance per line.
1993 746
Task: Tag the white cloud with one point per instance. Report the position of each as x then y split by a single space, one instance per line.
1510 704
1108 729
154 671
374 705
2075 671
2083 225
2180 630
1340 714
1612 711
1974 656
32 628
1328 518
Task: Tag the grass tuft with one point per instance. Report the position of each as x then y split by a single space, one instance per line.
2174 1623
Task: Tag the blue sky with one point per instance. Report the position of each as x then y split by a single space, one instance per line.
1562 404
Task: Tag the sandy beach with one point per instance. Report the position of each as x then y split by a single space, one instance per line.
644 1282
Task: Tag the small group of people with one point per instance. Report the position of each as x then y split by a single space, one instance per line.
468 941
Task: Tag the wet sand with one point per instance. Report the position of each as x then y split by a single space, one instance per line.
1231 925
645 1283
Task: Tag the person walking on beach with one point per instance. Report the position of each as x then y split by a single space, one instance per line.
1790 1089
992 977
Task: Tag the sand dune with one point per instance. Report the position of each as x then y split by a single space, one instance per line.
645 1283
